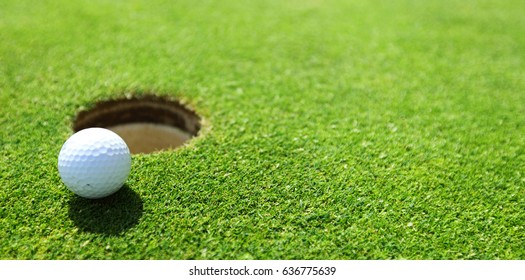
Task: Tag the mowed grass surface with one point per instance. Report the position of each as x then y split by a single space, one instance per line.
334 129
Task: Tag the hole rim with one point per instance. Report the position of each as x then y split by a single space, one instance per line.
147 108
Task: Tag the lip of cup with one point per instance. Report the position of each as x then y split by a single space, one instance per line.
147 123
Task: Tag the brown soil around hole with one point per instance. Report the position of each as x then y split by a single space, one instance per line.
148 137
147 124
148 109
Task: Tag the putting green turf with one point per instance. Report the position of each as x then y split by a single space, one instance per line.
333 129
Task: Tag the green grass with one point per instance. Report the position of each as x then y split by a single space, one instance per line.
334 129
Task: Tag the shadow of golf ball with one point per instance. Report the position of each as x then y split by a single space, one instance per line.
110 216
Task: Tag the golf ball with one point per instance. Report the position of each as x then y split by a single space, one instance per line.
94 163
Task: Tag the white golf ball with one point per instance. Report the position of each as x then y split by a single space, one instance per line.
94 163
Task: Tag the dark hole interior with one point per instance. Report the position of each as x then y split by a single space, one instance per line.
147 124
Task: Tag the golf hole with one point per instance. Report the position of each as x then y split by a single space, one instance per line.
147 124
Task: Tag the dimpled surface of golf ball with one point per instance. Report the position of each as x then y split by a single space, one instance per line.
94 163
